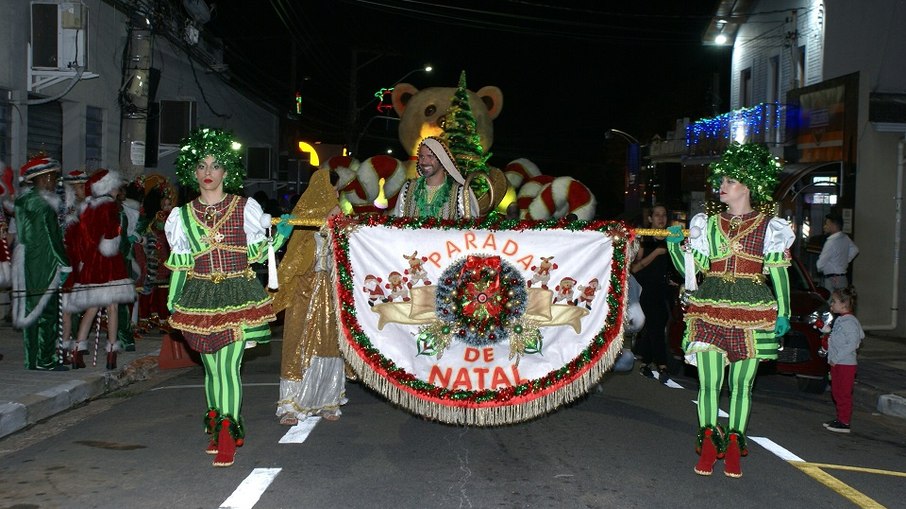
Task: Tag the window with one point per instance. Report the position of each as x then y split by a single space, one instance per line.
800 67
745 88
774 79
94 138
830 196
45 130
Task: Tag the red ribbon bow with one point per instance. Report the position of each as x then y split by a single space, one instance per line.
481 296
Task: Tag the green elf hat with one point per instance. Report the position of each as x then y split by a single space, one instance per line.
207 141
753 165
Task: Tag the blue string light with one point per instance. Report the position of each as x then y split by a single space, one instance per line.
739 125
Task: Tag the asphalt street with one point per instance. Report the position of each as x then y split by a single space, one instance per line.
628 444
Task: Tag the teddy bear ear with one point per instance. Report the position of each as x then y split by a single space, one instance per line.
401 95
492 97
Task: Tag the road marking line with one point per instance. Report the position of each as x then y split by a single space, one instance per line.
670 382
720 413
298 433
250 489
865 470
775 448
844 490
814 471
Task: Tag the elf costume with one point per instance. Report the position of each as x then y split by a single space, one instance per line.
215 297
733 318
39 267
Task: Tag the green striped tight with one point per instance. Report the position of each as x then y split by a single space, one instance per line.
711 379
222 384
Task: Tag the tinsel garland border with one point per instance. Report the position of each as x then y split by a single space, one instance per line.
486 407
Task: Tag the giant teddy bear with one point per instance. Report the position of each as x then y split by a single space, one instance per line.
422 113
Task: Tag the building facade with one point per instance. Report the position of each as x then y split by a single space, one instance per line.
821 83
117 83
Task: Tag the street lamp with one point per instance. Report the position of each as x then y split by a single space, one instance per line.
633 164
358 110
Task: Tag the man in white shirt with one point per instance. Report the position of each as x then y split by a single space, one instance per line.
838 251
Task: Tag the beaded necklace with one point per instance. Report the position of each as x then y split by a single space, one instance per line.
430 206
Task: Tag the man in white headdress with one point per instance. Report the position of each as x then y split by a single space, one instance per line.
440 190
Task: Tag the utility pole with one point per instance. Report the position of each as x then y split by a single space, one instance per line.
134 103
793 38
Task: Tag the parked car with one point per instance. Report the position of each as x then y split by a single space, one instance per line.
799 347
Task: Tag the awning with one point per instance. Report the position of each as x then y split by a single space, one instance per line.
793 173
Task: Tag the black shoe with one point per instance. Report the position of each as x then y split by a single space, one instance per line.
58 367
837 426
130 348
646 371
663 376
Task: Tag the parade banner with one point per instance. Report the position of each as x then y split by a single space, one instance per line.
479 322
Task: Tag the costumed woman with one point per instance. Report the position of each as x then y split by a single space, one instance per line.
312 377
215 298
440 190
153 296
73 198
733 318
102 280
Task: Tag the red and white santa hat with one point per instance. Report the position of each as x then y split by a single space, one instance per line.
567 280
103 182
371 277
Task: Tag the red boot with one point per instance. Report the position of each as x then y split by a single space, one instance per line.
732 468
708 454
210 424
226 446
78 361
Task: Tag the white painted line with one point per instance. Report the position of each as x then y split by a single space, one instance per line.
298 433
779 451
670 382
250 490
720 413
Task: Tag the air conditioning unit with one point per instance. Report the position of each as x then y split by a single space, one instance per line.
59 35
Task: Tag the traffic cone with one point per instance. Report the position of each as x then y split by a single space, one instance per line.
174 353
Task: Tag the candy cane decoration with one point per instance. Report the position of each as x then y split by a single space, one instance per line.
563 196
520 170
60 352
97 337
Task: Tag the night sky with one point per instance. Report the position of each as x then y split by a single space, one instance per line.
569 70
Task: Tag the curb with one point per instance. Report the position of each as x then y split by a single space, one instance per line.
17 415
874 399
892 405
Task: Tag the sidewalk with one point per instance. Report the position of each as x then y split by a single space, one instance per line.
881 376
27 397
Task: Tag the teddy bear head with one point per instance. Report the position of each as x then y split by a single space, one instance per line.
422 112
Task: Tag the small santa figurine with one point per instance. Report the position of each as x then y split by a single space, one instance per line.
373 289
587 293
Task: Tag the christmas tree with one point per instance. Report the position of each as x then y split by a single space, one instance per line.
461 135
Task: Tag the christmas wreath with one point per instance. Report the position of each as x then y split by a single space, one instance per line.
480 300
